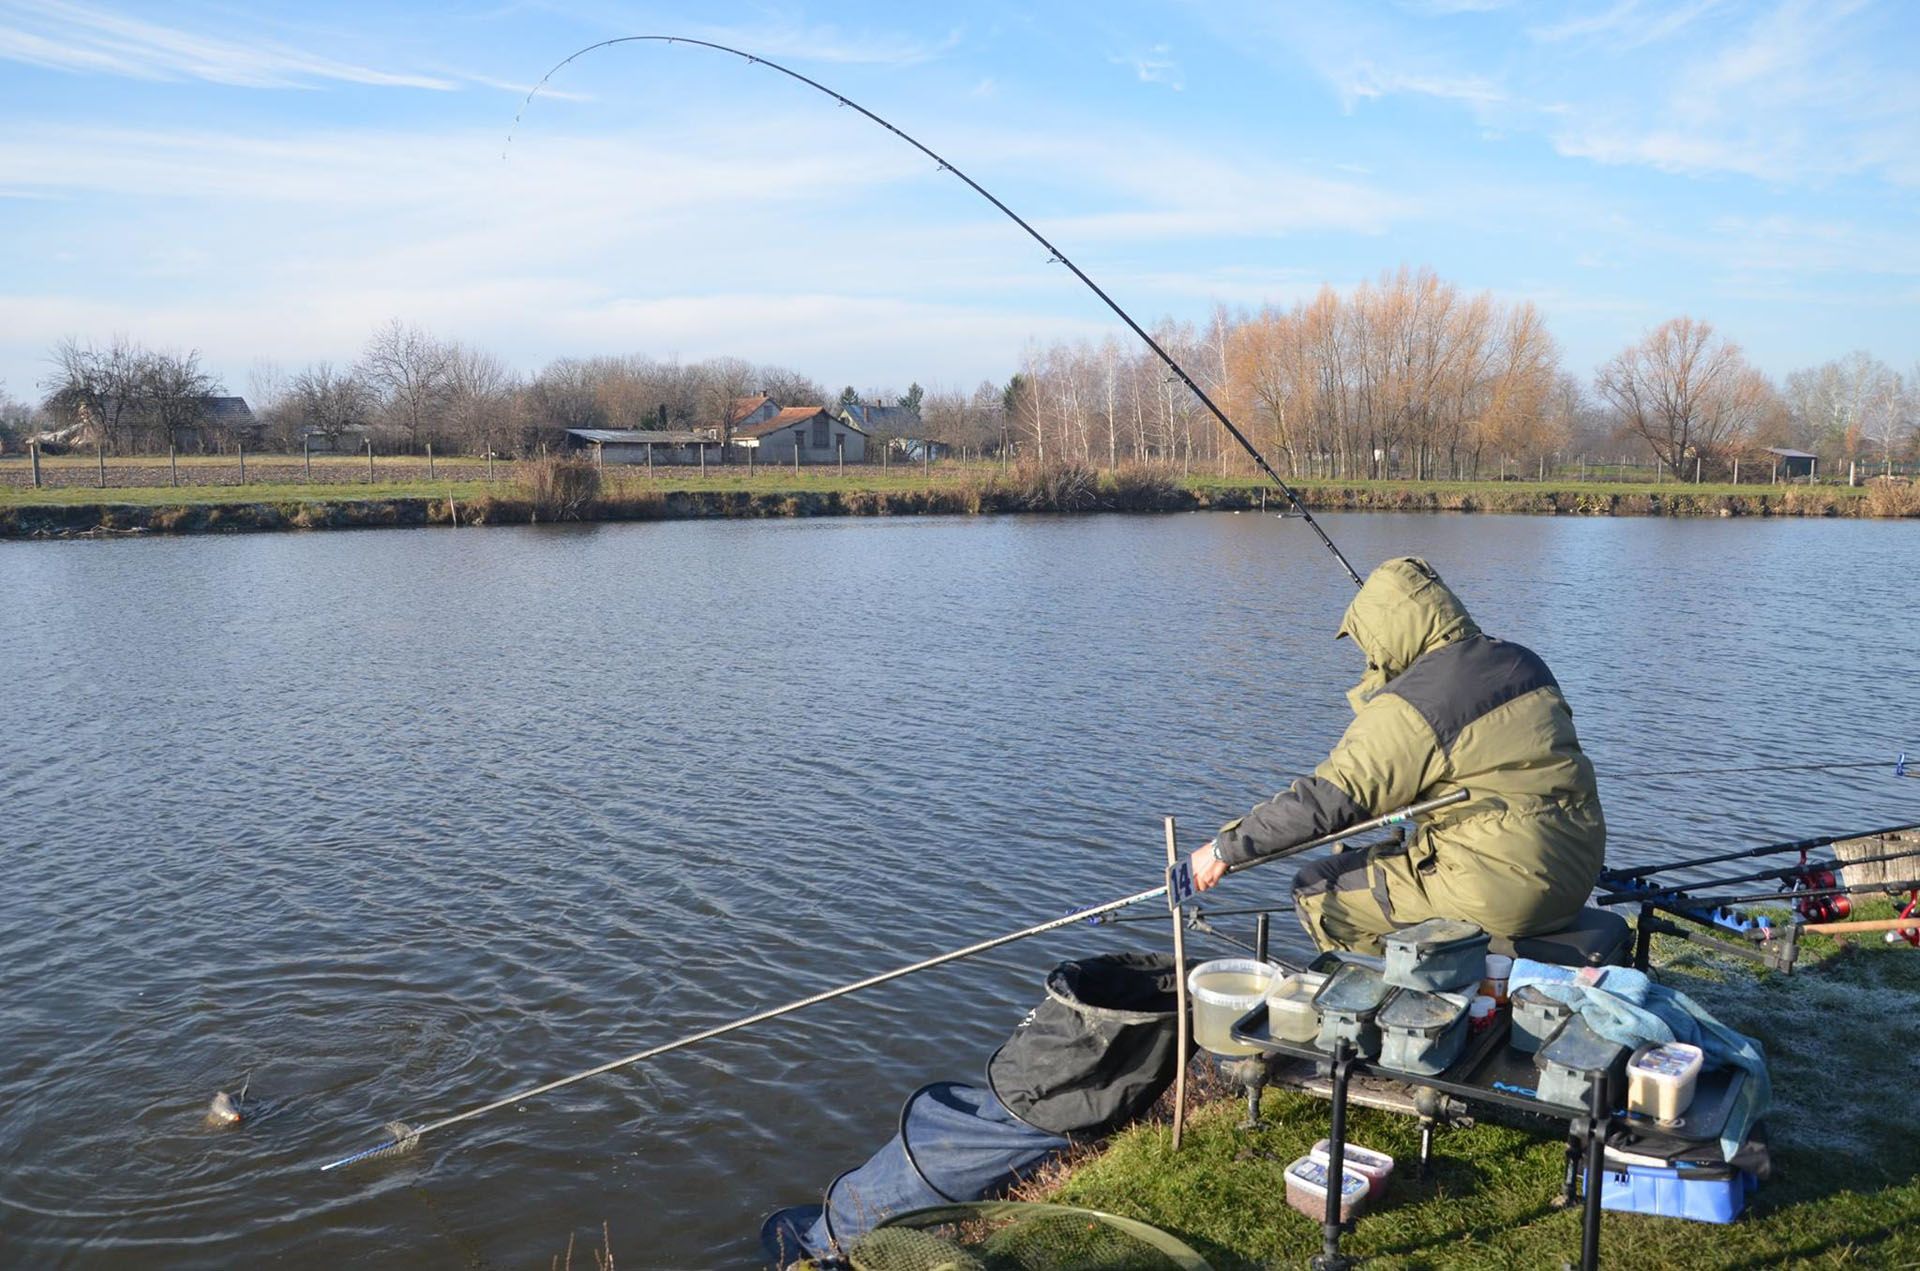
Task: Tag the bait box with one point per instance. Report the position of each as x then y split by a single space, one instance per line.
1536 1017
1291 1016
1307 1190
1423 1033
1701 1193
1348 1003
1572 1058
1660 1079
1440 955
1377 1167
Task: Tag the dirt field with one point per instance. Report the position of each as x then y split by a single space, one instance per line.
146 471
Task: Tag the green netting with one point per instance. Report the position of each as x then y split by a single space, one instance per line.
1012 1236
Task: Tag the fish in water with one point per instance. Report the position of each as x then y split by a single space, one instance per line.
224 1112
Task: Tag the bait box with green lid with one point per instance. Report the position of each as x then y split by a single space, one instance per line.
1440 955
1422 1033
1348 1003
1573 1058
1536 1017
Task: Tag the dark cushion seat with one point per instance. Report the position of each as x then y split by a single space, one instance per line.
1596 937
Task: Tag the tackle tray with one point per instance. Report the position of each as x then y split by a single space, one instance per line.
1536 1017
1490 1072
1422 1033
1571 1059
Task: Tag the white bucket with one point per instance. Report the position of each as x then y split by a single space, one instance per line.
1223 990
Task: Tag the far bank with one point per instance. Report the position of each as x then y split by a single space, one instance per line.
535 495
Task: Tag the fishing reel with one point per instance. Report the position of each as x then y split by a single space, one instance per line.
1829 908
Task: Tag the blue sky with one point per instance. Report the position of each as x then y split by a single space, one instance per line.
272 181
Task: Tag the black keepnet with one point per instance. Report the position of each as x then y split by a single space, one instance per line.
1098 1052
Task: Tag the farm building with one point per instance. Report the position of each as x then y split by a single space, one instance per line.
635 445
1794 463
816 435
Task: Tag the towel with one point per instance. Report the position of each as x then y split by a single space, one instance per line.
1626 1006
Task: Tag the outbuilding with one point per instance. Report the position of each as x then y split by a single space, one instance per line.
1794 463
643 445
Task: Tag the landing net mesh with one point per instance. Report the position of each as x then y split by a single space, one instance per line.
1013 1236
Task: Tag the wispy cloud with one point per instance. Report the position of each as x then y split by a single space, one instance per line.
1366 80
65 36
827 43
1629 24
1155 66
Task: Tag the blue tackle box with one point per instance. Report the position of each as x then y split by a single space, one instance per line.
1702 1193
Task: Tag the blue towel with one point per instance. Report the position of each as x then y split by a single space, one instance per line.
1625 1006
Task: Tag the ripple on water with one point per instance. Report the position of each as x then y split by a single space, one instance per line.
400 823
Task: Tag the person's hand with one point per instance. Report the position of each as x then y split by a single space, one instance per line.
1207 867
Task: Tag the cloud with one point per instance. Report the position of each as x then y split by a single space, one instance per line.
1154 66
827 43
66 36
1629 24
1368 80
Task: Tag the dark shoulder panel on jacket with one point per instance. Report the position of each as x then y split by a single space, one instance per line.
1452 687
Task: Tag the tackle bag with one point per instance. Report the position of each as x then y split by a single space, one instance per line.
955 1143
1098 1051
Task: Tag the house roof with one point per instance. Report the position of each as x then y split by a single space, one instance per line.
896 418
744 406
1785 453
788 418
638 436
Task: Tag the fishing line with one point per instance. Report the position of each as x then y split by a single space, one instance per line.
402 1137
1054 254
1899 766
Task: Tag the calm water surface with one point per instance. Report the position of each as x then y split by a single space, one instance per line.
396 823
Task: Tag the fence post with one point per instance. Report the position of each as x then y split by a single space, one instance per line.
429 461
702 448
1696 469
649 461
240 448
796 454
1736 471
100 449
173 463
369 460
33 453
1543 467
840 452
1849 474
926 458
751 452
306 458
489 465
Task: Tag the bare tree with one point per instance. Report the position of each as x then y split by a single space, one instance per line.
724 382
174 392
1685 391
481 399
97 389
329 401
409 368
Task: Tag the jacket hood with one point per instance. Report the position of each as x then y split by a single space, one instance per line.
1402 611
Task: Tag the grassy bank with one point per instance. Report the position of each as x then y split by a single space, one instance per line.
403 496
1841 1034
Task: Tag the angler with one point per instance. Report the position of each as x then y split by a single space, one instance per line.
1442 707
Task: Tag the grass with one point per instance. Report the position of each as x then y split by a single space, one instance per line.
772 490
1841 1034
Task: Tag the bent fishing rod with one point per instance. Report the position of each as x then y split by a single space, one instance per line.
1053 253
403 1137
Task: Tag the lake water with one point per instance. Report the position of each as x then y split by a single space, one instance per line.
397 823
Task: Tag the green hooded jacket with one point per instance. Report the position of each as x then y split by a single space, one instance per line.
1441 708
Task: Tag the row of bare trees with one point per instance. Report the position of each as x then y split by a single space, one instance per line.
1408 376
131 397
1403 376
